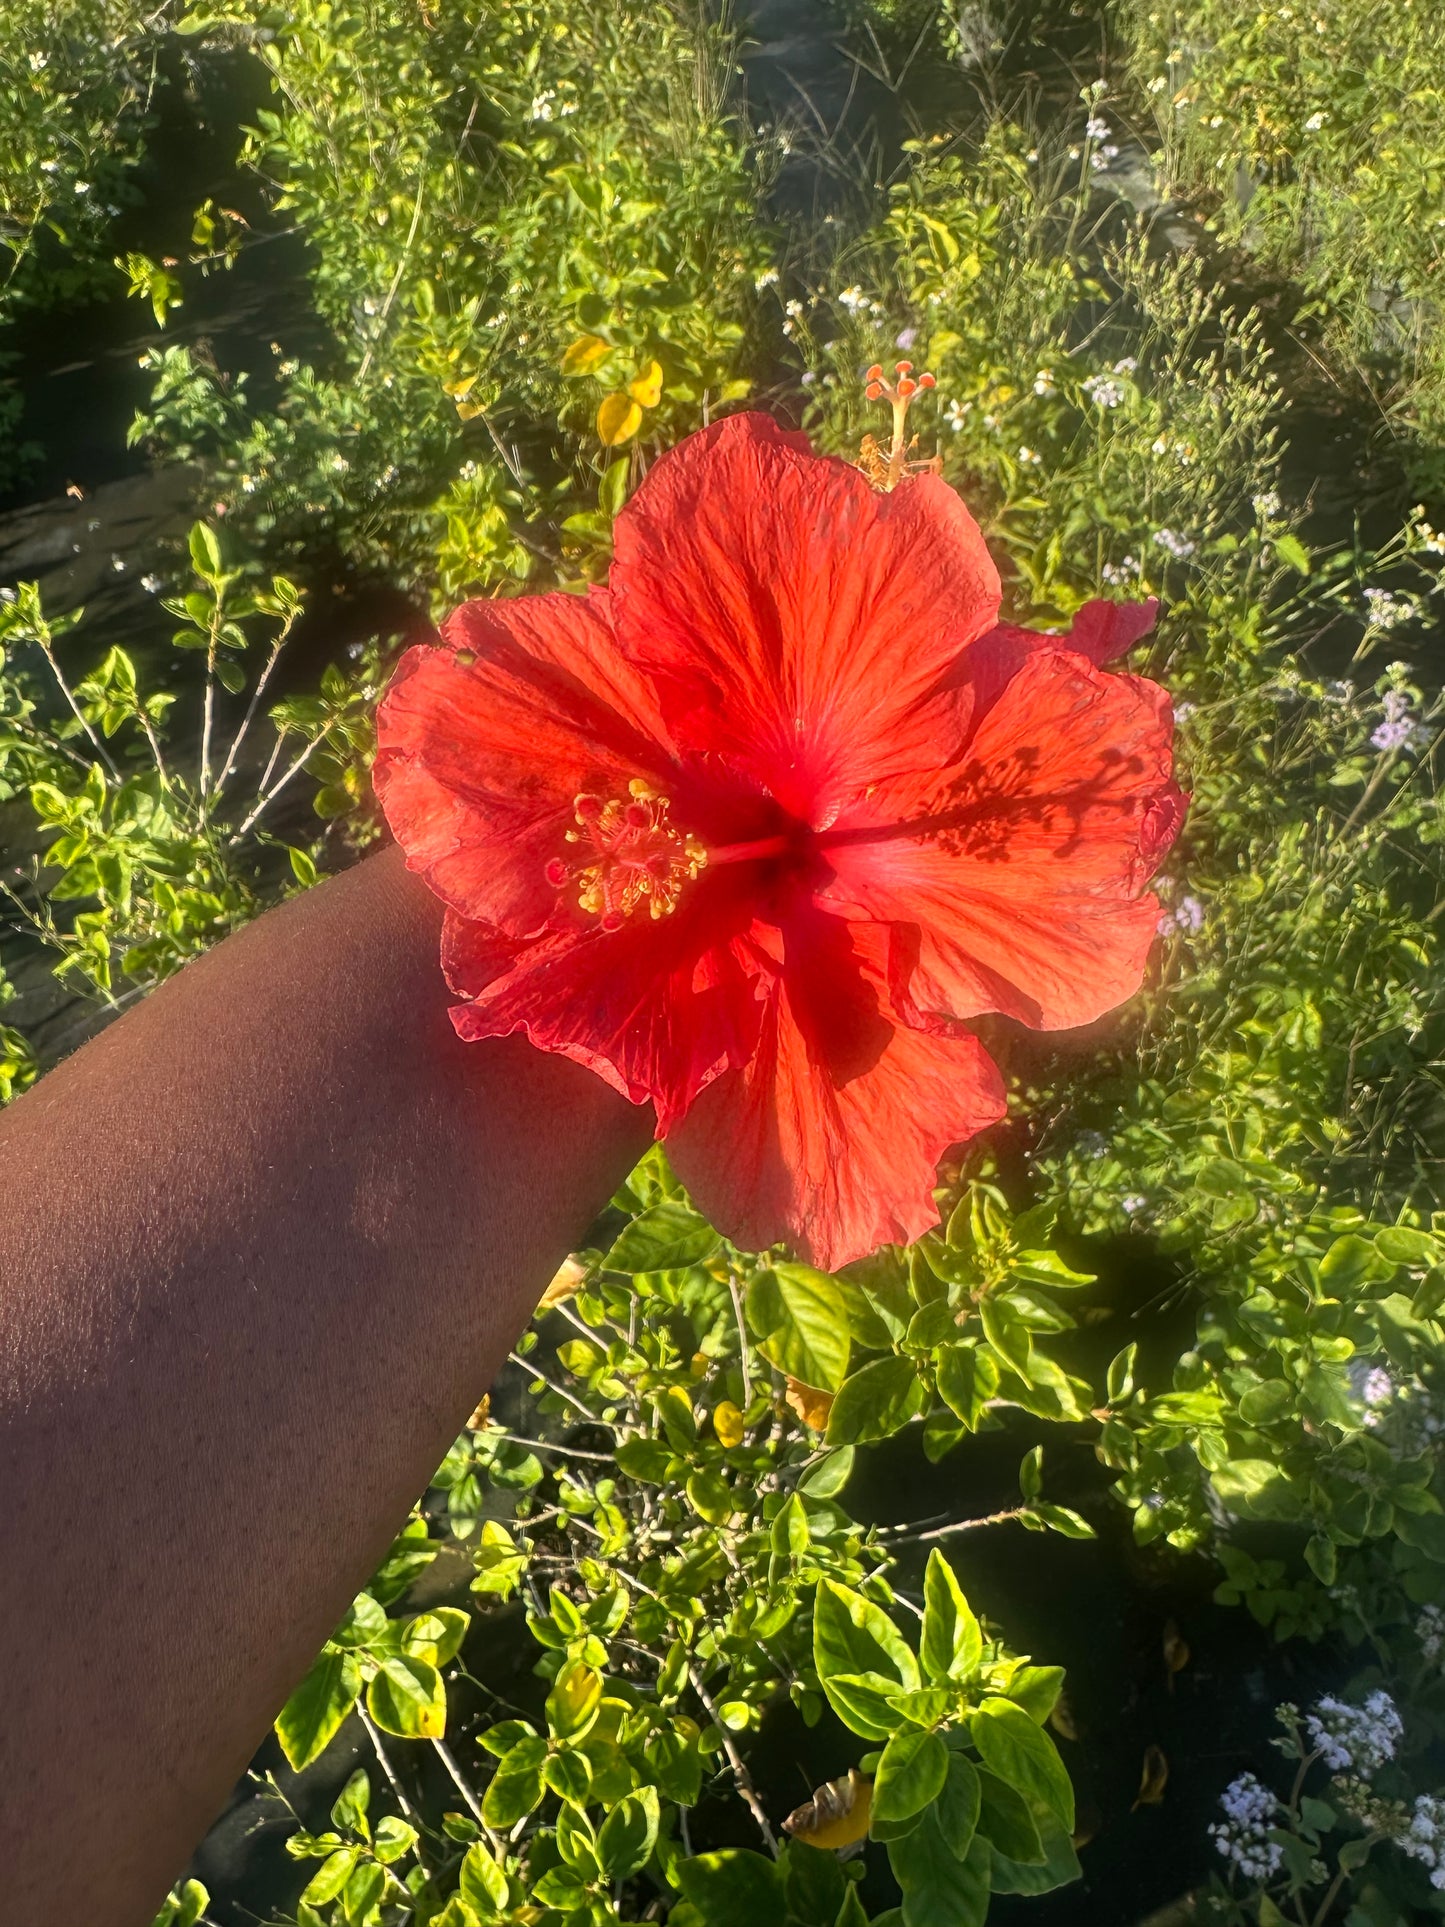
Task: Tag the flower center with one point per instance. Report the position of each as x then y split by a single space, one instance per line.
629 853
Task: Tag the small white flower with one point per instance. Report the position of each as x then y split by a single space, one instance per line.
1104 391
117 562
767 279
1266 504
39 62
907 340
1430 1631
567 107
1242 1836
794 310
1316 121
340 464
81 187
542 104
1185 919
1118 573
1133 1204
1183 711
1030 457
1044 382
1355 1738
1386 609
956 413
151 584
1179 546
1091 1144
1096 129
1158 83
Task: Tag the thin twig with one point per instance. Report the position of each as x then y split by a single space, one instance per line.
380 328
295 770
387 1768
743 1358
546 1445
742 1779
246 720
100 749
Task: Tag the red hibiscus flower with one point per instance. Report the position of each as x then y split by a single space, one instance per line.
755 830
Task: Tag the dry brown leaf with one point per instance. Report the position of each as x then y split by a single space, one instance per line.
569 1275
1153 1779
1062 1719
1176 1649
811 1405
482 1417
837 1815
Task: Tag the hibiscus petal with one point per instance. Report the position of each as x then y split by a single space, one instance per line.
830 1136
656 1009
1102 631
797 619
483 746
1023 894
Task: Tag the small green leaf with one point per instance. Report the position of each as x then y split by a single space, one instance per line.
910 1774
483 1885
1022 1754
407 1697
665 1238
967 1380
875 1402
952 1642
629 1834
810 1340
308 1721
732 1888
573 1701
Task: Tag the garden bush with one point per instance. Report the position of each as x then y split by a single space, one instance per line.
1192 1290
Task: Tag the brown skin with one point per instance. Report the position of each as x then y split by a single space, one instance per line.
265 1243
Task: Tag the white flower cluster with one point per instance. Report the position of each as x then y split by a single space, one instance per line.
856 302
1242 1836
1432 541
1372 1385
1104 390
1044 382
1385 609
1430 1631
1185 919
1316 121
1424 1838
1179 546
767 279
1356 1739
1118 573
1401 729
1266 504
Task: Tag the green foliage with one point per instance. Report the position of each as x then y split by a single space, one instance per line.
1315 140
517 216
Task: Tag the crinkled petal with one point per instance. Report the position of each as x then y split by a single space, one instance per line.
1020 892
1102 631
797 620
483 746
656 1009
830 1136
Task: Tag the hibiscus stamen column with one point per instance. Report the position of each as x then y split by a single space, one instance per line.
632 853
899 393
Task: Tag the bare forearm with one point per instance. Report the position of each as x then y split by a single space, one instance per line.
266 1241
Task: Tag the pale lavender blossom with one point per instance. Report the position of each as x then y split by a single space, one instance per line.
1355 1739
1242 1836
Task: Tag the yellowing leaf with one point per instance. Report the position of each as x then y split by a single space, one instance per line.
618 420
836 1816
811 1405
586 353
1153 1780
458 389
727 1424
568 1277
1176 1649
646 388
468 411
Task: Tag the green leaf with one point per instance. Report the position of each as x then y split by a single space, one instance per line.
435 1636
308 1721
573 1701
516 1786
910 1774
665 1238
407 1697
959 1802
1036 1689
1292 552
1056 1865
732 1888
330 1877
827 1478
852 1635
205 550
807 1316
483 1885
394 1837
1257 1489
864 1703
1022 1754
815 1885
952 1642
940 1888
1007 1333
1007 1819
628 1835
875 1402
967 1380
348 1811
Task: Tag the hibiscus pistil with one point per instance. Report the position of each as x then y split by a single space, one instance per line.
632 854
887 473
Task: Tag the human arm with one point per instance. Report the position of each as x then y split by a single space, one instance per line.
266 1241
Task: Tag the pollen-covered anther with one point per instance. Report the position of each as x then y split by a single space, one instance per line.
629 853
